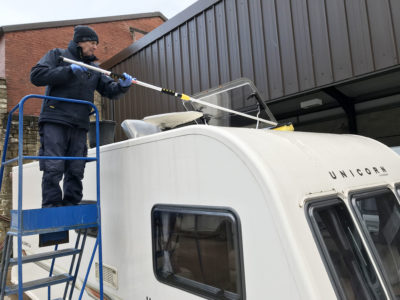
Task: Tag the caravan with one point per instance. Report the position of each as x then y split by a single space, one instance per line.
220 212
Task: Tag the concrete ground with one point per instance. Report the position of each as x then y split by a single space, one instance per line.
13 297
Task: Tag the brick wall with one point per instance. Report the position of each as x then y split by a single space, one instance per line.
5 195
19 52
24 49
2 57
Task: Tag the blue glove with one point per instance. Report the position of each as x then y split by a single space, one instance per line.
127 81
78 70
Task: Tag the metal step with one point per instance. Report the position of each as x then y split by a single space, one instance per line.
53 219
44 256
36 284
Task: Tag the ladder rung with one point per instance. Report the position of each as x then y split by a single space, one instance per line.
36 284
44 256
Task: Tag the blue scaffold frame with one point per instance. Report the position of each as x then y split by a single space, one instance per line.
19 223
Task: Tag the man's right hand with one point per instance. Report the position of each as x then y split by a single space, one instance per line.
78 70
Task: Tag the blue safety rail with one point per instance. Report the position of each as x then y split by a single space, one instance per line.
35 221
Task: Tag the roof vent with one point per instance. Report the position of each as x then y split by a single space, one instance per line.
110 275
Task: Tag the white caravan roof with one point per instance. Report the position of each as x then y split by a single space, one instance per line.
309 163
265 176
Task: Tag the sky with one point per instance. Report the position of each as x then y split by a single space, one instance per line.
32 11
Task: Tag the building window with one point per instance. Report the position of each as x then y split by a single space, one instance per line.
198 250
343 252
379 215
136 33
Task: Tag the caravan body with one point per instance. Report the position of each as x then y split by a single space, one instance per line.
237 213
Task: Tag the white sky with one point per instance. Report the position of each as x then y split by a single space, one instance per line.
33 11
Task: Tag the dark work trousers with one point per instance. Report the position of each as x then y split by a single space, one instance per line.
62 140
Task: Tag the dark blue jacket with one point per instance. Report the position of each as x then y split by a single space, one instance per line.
57 75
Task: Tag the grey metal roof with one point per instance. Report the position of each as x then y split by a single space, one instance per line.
52 24
345 53
185 15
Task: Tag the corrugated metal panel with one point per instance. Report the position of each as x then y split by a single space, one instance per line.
359 36
259 51
320 42
338 35
222 40
383 44
302 40
272 47
212 45
395 13
194 56
285 47
185 58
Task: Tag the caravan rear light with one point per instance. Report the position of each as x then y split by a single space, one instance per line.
95 293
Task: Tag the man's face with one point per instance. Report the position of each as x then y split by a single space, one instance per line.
88 47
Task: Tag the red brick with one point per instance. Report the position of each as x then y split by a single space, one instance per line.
23 49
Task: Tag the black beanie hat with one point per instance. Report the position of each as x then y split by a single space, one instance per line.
84 33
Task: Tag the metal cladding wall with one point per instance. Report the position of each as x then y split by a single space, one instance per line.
284 46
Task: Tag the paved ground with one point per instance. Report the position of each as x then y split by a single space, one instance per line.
13 297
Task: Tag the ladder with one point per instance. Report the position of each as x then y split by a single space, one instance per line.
49 220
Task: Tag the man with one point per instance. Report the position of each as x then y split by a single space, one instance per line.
63 125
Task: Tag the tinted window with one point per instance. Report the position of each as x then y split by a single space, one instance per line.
198 250
379 213
348 263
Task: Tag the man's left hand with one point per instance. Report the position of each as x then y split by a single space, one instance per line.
127 81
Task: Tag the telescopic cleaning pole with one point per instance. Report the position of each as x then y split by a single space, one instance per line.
167 91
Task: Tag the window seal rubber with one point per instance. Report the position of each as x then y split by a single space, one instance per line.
206 210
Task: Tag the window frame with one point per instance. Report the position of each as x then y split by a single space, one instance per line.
310 207
397 191
195 287
353 199
323 251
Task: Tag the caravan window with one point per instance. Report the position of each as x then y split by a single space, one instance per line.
198 250
344 254
379 215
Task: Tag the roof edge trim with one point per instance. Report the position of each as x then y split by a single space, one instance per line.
52 24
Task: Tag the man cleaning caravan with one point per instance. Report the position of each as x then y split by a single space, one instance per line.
63 126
